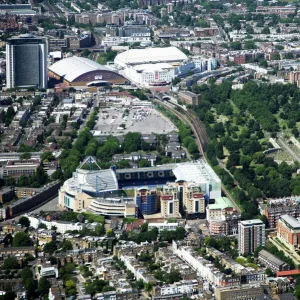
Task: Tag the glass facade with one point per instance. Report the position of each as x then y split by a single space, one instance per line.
146 204
26 62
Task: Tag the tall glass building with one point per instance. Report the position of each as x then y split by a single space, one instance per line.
26 64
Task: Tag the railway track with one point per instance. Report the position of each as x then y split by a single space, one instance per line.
199 131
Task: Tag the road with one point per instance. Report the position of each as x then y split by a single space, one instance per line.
293 255
288 149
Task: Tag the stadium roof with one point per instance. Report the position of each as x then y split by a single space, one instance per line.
149 55
91 181
198 172
72 67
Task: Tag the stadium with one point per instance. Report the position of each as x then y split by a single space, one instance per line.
80 71
164 191
171 55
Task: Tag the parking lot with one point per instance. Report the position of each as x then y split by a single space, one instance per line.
119 121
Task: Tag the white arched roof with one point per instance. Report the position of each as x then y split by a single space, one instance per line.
149 55
72 67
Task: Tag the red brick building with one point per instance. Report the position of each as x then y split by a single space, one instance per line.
288 231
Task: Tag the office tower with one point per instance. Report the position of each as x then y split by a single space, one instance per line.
251 235
26 64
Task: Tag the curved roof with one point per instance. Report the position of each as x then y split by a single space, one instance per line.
72 67
91 181
150 55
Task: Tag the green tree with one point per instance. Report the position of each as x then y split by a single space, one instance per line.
143 163
44 286
26 273
50 247
11 263
24 221
266 30
25 155
66 245
47 156
42 226
70 288
132 142
21 239
268 272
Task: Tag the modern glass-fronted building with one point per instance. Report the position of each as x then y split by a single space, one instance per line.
146 200
26 64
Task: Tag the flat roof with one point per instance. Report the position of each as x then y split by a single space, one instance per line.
290 221
221 203
252 222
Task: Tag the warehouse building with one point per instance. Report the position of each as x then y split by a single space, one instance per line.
79 71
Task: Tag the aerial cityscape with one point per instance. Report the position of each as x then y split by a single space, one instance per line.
149 149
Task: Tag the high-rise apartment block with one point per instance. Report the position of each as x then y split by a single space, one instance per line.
26 64
251 235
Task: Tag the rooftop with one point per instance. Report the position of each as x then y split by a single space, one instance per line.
271 257
252 222
150 55
72 67
290 221
221 203
198 172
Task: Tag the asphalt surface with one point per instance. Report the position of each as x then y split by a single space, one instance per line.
49 206
288 149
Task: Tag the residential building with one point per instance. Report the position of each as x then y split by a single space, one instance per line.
56 291
222 217
163 226
288 231
193 199
182 287
282 206
272 262
6 194
251 235
26 62
241 292
169 201
17 168
61 226
147 200
189 98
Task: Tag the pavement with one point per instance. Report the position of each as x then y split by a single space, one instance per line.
49 206
292 254
110 121
288 149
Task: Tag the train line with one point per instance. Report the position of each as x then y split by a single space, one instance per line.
189 118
